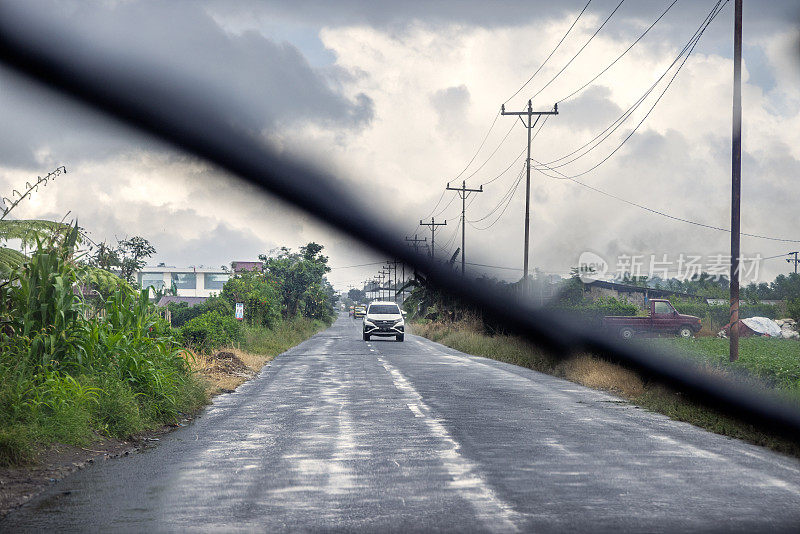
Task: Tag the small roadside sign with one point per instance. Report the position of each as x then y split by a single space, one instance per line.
239 311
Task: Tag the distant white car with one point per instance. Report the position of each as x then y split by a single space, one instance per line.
385 319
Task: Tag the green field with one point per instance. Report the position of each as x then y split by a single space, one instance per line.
776 362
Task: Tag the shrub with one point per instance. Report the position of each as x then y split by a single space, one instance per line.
181 312
258 293
793 309
65 376
210 331
758 310
592 312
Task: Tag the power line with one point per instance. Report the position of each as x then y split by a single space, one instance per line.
508 203
581 88
360 265
503 140
485 137
658 212
636 128
518 155
579 51
508 193
617 123
551 53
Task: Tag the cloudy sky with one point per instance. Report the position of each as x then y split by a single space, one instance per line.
396 98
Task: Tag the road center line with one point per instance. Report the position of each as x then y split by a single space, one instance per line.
495 514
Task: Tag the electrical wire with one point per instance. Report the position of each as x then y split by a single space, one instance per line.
636 128
533 137
452 199
579 51
622 118
509 192
485 137
581 88
549 55
661 213
500 216
502 141
360 265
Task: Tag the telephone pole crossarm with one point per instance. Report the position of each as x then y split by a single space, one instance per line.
414 242
463 192
529 126
432 225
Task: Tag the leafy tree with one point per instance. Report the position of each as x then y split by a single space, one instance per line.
258 292
300 277
134 253
357 295
106 257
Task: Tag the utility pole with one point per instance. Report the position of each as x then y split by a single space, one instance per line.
736 179
795 260
528 126
376 288
414 243
432 225
385 275
392 265
463 192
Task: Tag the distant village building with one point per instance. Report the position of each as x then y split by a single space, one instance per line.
188 281
239 266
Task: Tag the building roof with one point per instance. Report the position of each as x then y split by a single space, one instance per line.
169 269
239 266
191 301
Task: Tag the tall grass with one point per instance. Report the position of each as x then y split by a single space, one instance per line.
66 378
281 337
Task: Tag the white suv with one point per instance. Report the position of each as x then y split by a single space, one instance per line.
384 319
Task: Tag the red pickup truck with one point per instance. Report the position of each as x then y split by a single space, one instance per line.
663 318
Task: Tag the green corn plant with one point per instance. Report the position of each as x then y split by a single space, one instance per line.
45 307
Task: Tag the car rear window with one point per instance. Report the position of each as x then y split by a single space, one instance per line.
384 309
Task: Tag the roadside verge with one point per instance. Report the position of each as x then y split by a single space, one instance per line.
219 372
594 372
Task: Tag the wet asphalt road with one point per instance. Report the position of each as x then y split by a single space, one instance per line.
341 435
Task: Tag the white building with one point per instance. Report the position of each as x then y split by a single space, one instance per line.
189 281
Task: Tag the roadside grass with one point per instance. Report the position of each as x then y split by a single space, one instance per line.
45 408
226 369
286 334
771 362
38 411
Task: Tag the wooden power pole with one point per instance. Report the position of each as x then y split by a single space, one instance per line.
529 126
463 192
432 225
736 179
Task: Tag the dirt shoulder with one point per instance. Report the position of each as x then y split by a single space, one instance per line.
222 372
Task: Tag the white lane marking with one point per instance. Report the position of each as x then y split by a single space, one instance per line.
415 409
496 514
